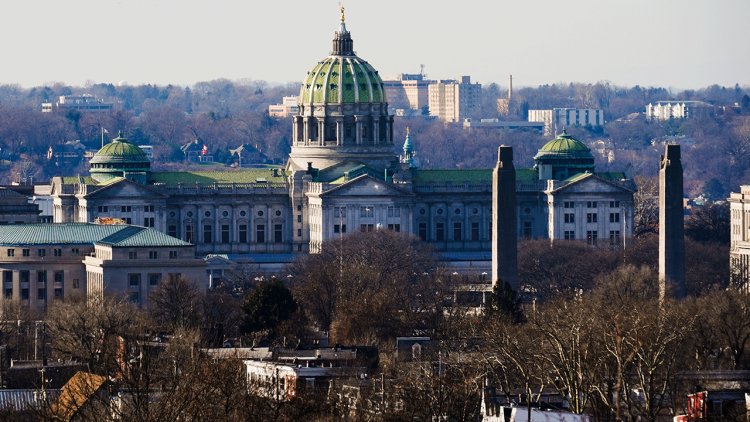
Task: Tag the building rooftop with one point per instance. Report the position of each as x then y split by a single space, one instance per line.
564 147
223 176
83 234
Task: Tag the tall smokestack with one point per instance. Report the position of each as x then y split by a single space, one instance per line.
510 89
504 231
671 226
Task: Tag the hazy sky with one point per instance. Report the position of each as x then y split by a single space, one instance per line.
671 43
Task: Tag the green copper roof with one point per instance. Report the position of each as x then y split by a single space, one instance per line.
564 147
453 176
342 79
469 176
120 151
82 234
133 236
227 176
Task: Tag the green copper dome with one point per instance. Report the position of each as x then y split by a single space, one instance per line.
564 147
340 79
120 158
120 151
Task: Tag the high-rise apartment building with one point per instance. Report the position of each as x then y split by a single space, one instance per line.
454 101
407 91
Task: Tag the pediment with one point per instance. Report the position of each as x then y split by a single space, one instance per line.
365 185
125 189
591 184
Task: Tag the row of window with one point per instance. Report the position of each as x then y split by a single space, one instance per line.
458 234
591 204
592 236
123 208
11 252
151 255
225 233
592 217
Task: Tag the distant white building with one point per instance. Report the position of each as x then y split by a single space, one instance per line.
85 102
739 244
557 119
666 110
453 101
408 91
287 107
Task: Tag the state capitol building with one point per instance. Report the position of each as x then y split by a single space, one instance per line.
344 174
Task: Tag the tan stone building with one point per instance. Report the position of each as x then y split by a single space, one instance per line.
453 101
45 262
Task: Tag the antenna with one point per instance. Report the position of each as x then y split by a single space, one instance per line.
421 69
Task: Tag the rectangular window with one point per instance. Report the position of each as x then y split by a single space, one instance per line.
299 207
591 204
148 208
126 208
57 252
366 227
75 251
172 230
457 232
570 218
76 283
299 218
153 255
41 277
154 279
527 229
11 252
591 217
148 222
591 236
189 233
339 229
568 204
8 292
614 204
394 227
570 235
422 231
59 277
41 252
101 208
25 294
394 211
277 233
172 254
225 233
24 276
614 237
25 252
134 280
339 212
41 293
614 217
440 232
128 220
7 276
260 233
475 231
132 255
58 293
366 212
242 231
299 232
208 233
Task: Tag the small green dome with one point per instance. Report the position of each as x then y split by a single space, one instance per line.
120 158
564 147
341 79
119 151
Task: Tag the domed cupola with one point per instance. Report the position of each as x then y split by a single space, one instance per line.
563 157
343 113
120 158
